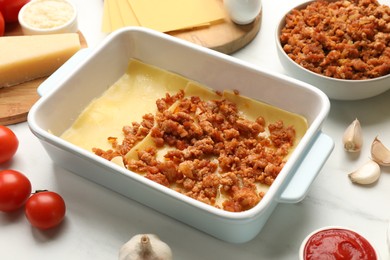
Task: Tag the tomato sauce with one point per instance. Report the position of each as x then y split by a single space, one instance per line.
338 244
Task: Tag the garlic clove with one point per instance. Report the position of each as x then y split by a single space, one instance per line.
368 173
353 138
145 247
380 153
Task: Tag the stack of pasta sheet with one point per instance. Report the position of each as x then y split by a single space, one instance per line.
162 15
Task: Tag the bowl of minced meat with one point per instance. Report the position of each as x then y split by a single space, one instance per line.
341 47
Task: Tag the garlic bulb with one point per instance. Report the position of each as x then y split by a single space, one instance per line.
145 247
380 153
368 173
353 138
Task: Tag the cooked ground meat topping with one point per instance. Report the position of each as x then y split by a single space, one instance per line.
215 154
345 39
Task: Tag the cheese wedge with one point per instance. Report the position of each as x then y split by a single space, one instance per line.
24 58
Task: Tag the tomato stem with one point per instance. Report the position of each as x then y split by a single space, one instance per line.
38 191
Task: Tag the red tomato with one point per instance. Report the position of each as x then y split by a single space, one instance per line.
15 189
10 9
2 26
8 143
45 209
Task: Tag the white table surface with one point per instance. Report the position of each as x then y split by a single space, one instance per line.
99 221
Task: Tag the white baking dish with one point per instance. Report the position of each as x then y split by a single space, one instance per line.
90 72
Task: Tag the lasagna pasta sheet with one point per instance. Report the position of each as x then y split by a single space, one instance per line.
126 101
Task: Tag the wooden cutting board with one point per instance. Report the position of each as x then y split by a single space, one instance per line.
226 37
16 101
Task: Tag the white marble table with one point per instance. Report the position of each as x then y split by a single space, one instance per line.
99 221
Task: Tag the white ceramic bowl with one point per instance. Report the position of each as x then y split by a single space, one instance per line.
71 88
243 12
48 17
305 241
337 89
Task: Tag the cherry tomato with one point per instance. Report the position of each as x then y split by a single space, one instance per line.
8 143
2 25
10 9
45 209
15 189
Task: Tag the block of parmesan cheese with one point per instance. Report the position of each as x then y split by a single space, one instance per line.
24 58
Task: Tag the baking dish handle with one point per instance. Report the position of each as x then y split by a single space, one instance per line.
307 171
48 85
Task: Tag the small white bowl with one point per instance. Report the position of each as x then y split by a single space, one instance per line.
338 89
48 17
306 240
243 12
